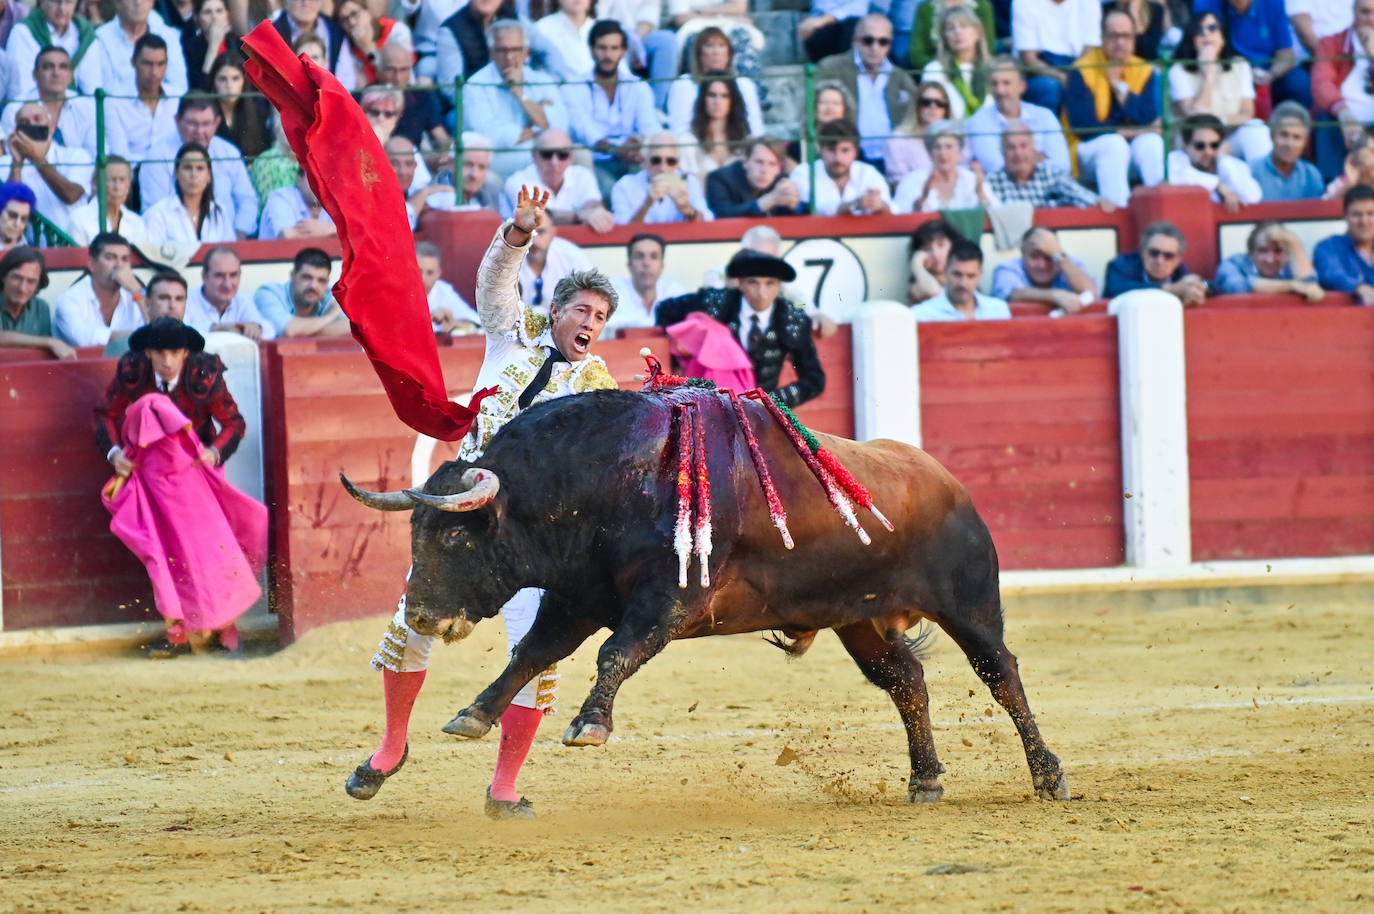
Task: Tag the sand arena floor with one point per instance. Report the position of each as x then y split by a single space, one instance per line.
1221 759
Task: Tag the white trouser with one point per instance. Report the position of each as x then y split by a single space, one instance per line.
403 650
1110 159
1251 141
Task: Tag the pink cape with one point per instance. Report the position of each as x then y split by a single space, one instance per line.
203 541
706 348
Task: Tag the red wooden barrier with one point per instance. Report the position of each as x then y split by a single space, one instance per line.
1027 414
1281 431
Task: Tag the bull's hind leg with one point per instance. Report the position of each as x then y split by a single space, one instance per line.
891 666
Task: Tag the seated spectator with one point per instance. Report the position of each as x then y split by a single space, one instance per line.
368 36
930 247
57 175
414 178
1209 77
98 305
313 48
549 260
295 212
197 122
1047 36
303 17
946 184
961 300
986 128
1157 265
73 114
217 305
204 40
1027 178
718 126
1112 105
17 203
661 192
923 47
567 32
1200 164
473 190
53 23
1345 263
1149 19
905 150
163 296
461 47
133 126
303 304
1315 20
243 118
1044 274
686 22
1274 263
1358 169
382 105
165 422
884 93
828 27
119 180
616 111
768 327
1337 89
1284 174
637 20
645 287
25 319
573 192
844 185
275 168
833 102
961 62
116 38
422 113
711 53
447 309
511 101
191 214
1260 32
755 186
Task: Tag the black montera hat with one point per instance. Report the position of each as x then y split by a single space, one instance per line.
754 263
166 333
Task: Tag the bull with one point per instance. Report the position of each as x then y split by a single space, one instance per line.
576 496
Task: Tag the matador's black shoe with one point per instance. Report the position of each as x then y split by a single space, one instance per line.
365 781
508 809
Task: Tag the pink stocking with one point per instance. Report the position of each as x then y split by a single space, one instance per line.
400 690
518 727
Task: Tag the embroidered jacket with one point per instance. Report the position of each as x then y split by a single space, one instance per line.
200 394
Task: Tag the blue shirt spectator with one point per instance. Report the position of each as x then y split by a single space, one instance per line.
1274 263
1157 265
1011 275
1304 182
1237 275
1126 273
940 308
1284 174
1345 263
489 106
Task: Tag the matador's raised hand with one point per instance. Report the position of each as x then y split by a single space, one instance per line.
529 208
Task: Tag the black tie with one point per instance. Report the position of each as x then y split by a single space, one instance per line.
541 377
755 334
161 385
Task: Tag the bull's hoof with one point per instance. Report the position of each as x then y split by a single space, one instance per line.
464 724
1056 789
586 734
927 791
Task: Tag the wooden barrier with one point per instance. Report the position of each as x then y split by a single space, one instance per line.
1027 414
1281 431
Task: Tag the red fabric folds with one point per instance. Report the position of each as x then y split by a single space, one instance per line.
380 289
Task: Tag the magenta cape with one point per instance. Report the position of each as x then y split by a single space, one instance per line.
706 348
380 287
202 541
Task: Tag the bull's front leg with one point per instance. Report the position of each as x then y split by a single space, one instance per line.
651 622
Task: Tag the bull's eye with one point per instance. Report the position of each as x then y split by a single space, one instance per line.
453 536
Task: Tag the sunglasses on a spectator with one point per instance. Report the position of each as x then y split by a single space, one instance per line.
1200 145
930 101
561 155
670 161
869 41
380 112
1157 254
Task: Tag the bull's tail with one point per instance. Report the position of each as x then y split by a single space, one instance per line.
921 643
791 643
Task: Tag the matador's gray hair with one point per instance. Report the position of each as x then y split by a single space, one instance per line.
584 280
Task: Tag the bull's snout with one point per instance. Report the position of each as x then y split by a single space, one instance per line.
452 628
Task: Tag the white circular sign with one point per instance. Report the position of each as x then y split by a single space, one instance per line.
830 276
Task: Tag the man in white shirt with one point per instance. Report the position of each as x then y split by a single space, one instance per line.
844 185
549 260
884 94
1198 163
616 111
98 306
645 287
449 311
961 300
985 127
134 19
197 121
661 192
58 176
56 28
1049 35
217 305
133 126
510 101
73 114
573 192
119 180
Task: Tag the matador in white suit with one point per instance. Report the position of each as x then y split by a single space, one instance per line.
529 359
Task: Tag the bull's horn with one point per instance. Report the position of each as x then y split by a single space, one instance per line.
479 488
381 501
